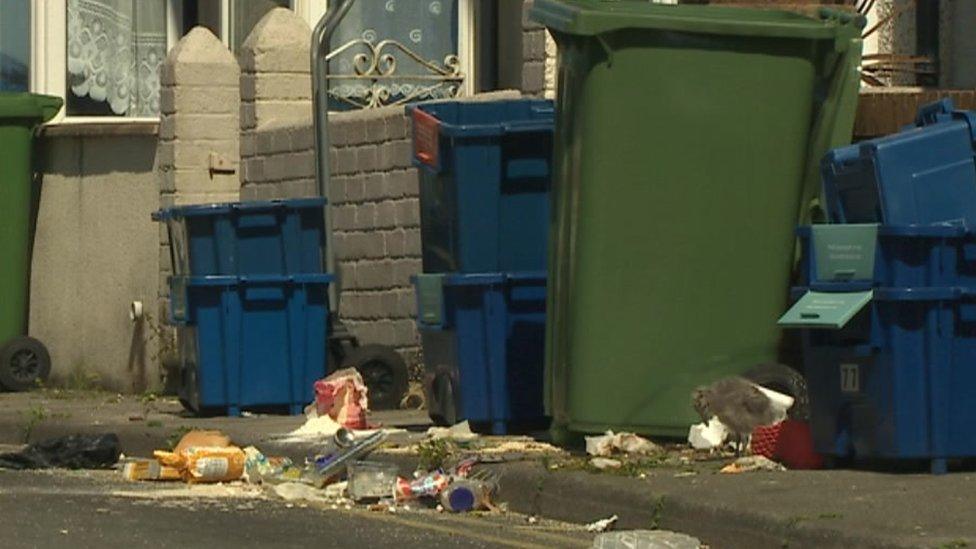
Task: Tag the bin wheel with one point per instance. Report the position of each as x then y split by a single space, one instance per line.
447 413
383 371
786 380
24 361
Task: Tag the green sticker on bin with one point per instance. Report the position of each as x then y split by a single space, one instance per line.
844 252
825 310
430 299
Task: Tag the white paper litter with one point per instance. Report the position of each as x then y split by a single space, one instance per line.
296 491
706 436
645 539
602 463
602 525
628 443
460 432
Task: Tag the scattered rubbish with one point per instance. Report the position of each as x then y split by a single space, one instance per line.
337 490
148 469
789 442
645 539
314 428
429 485
602 525
740 405
533 519
465 495
206 463
342 396
384 506
297 491
460 432
327 468
628 443
199 438
686 474
260 468
749 464
70 452
707 436
371 480
415 399
602 463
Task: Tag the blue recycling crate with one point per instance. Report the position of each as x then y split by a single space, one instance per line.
895 382
924 174
887 255
483 339
485 176
246 238
250 342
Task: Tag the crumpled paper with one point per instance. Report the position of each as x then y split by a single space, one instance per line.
749 464
342 396
706 436
628 443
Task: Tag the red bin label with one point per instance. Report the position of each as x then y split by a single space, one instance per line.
426 138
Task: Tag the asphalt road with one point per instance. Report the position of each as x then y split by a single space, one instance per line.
97 509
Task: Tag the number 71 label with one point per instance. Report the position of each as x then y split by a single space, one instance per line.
850 378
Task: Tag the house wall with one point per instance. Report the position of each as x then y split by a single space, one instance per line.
95 251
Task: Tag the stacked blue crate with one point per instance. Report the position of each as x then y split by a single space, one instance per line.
887 292
250 302
485 174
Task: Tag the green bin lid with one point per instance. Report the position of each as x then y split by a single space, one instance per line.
844 252
825 310
592 17
30 106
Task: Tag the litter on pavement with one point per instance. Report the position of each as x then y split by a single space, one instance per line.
70 452
342 396
602 525
627 443
749 464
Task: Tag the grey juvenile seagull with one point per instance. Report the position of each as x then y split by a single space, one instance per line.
738 404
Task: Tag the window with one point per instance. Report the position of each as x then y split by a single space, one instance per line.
115 49
395 51
14 45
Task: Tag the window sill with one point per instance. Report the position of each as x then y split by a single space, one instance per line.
100 129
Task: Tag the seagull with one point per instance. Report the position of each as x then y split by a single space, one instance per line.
739 404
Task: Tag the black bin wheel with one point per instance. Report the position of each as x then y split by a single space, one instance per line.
384 372
786 380
24 361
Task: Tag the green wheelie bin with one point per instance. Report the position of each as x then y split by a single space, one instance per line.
23 360
688 141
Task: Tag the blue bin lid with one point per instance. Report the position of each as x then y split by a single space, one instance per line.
258 280
242 207
490 118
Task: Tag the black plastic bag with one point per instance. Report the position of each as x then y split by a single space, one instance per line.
70 452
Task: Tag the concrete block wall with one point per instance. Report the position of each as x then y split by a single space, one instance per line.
198 151
375 212
538 67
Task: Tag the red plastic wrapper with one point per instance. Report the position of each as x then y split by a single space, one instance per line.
427 486
342 396
789 442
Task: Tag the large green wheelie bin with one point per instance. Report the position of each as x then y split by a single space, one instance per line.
23 360
688 140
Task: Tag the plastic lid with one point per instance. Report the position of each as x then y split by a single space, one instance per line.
227 207
30 106
591 17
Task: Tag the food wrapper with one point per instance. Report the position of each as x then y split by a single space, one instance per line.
342 396
206 464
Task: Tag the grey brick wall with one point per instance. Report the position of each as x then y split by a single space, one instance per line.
375 212
534 38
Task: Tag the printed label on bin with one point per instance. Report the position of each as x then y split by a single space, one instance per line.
825 310
426 138
844 252
430 299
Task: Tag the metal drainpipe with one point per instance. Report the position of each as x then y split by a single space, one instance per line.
321 36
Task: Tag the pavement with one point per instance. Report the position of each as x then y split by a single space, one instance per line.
837 508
